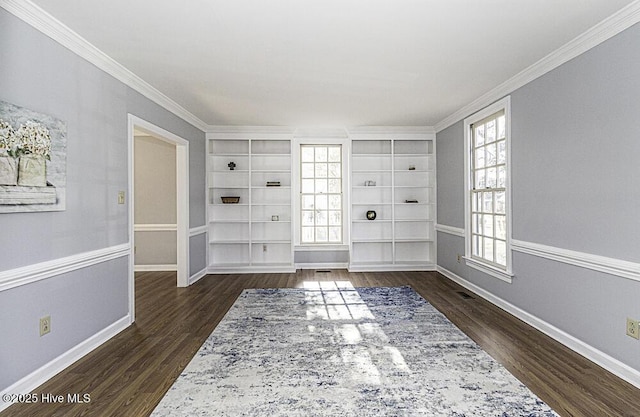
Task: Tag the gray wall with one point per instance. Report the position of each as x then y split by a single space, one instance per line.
575 146
37 73
320 257
155 200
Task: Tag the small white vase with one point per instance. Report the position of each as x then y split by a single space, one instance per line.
32 171
8 170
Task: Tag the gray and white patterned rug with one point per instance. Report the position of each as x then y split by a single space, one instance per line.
333 350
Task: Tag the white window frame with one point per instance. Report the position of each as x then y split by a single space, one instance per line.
491 269
296 174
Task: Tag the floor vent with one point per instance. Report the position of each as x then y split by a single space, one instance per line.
464 295
324 271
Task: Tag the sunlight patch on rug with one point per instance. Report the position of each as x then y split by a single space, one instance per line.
330 349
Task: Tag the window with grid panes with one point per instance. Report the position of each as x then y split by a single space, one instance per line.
488 190
321 194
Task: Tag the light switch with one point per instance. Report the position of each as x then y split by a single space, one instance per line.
120 197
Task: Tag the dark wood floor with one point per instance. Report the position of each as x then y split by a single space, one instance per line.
128 375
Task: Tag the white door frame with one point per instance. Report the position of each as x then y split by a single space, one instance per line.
182 203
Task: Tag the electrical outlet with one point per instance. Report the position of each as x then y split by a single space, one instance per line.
120 197
264 248
459 258
45 325
632 328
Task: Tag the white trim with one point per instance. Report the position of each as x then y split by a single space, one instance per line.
364 267
489 270
155 227
612 266
320 132
609 363
42 21
197 276
49 370
321 248
155 268
182 197
248 132
320 265
450 230
501 105
195 231
28 274
395 132
253 269
606 29
345 143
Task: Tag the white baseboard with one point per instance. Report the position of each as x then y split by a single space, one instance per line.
609 363
155 268
390 267
49 370
196 277
320 265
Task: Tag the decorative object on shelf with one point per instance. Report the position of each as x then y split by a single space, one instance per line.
412 167
230 200
273 183
369 183
231 165
371 215
275 218
32 161
411 201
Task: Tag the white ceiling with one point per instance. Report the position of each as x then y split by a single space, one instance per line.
325 63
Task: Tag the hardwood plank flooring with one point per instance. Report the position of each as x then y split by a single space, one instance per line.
128 375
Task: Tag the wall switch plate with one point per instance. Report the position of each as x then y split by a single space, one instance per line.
45 325
120 197
632 328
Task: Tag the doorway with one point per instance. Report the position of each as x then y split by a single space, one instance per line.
138 125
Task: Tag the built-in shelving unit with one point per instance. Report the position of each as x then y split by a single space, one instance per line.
402 235
254 234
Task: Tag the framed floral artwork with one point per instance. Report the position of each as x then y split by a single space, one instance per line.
33 161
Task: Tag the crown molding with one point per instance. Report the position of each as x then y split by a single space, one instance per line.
321 132
606 29
42 21
249 132
397 132
282 132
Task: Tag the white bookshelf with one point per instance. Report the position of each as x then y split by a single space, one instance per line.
402 237
245 237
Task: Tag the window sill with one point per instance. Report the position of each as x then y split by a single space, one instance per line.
489 270
320 247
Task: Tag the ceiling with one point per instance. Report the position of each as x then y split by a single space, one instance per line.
312 63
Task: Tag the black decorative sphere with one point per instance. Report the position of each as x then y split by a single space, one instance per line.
371 215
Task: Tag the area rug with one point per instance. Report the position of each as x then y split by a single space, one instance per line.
334 350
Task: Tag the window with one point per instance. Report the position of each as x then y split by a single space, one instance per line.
321 194
487 202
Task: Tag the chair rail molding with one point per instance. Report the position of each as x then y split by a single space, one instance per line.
612 266
155 227
25 275
195 231
450 230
